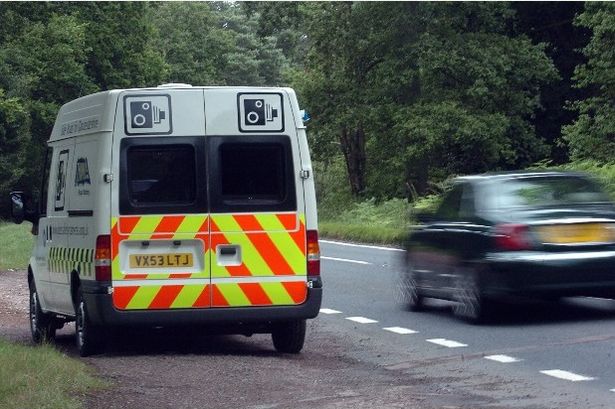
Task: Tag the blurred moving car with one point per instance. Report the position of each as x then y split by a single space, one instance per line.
542 234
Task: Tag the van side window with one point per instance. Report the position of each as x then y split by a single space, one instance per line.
252 174
60 182
162 175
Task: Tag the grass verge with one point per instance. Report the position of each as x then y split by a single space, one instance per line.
42 377
16 243
360 233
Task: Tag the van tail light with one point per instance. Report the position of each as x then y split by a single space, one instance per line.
102 258
512 237
313 253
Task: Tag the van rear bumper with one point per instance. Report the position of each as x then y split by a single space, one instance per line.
102 312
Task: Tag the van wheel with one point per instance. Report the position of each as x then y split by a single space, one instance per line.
88 337
289 337
42 324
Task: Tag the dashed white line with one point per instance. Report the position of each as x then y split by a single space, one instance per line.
505 359
329 311
612 390
446 343
568 376
344 260
341 243
400 330
362 320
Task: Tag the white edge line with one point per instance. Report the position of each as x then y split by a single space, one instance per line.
341 243
344 260
569 376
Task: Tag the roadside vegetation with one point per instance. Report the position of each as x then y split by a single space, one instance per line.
389 221
16 243
42 377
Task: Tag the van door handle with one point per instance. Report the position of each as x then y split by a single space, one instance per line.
228 255
228 251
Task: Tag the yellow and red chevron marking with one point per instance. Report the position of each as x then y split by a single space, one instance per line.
253 294
180 227
158 297
271 244
143 296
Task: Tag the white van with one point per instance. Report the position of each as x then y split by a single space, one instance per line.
176 205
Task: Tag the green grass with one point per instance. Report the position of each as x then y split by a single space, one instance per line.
385 222
16 243
41 377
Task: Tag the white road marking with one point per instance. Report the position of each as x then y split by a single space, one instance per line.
344 260
446 343
569 376
612 390
329 311
361 320
341 243
505 359
400 330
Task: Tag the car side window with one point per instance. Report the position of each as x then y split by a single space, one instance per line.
467 208
450 206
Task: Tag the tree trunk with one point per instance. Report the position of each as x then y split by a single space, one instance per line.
353 147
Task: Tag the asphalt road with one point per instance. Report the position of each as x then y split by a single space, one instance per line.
533 354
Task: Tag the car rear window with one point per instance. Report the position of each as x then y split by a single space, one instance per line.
547 191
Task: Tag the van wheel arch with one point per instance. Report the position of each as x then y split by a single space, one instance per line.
30 276
75 283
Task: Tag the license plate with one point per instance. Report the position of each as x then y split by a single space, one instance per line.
161 260
576 233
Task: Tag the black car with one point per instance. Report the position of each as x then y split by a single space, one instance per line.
542 234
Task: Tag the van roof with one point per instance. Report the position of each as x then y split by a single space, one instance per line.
95 112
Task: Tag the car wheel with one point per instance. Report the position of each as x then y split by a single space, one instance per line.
289 337
88 337
408 292
42 324
470 304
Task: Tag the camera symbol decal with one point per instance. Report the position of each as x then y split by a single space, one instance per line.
148 114
260 112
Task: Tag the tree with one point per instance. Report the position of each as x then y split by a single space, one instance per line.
592 135
216 44
421 90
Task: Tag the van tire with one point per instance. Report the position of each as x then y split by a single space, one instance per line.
88 337
289 337
42 324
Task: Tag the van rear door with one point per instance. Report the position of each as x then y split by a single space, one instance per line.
257 219
160 223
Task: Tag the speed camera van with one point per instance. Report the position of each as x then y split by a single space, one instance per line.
176 205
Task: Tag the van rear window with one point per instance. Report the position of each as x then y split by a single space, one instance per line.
254 175
160 175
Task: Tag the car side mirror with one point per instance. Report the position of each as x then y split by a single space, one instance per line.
21 209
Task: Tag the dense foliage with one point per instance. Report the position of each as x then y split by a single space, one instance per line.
402 94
